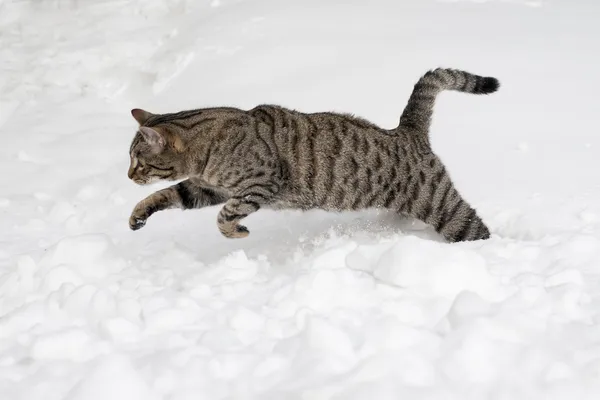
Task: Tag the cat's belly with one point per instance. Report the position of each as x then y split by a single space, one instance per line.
298 203
285 205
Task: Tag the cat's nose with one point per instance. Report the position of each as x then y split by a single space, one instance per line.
130 173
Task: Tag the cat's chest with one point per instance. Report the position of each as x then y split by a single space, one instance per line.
208 184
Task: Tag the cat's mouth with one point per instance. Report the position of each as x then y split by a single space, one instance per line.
142 181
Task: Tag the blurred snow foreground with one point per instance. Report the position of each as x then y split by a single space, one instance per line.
311 305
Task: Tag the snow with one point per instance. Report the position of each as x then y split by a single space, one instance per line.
311 305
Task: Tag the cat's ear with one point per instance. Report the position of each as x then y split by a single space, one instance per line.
154 138
141 116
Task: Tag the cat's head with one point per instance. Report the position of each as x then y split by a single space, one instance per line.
156 153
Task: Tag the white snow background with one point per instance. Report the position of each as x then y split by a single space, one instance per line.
315 305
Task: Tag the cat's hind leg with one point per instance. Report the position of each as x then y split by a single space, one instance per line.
457 221
431 197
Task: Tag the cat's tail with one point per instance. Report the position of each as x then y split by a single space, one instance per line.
417 114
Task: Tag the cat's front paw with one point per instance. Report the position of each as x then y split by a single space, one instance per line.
135 223
233 231
137 220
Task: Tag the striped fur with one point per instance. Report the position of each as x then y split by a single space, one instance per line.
417 114
273 157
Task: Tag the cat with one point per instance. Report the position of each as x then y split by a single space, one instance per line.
279 158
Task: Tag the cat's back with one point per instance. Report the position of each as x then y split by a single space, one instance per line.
311 141
289 125
328 155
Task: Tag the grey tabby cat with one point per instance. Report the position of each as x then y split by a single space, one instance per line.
274 157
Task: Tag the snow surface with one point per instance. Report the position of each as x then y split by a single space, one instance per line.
312 305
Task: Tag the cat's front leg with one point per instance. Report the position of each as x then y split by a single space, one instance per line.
158 201
241 205
184 195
